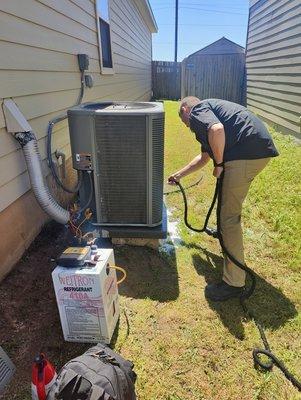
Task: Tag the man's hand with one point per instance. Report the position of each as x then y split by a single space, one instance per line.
218 171
174 178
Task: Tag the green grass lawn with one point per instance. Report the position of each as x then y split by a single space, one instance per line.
186 348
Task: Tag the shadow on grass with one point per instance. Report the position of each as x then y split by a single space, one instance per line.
270 306
149 274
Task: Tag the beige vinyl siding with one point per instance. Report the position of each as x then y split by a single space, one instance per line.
274 62
39 41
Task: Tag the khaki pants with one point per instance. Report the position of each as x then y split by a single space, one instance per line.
238 176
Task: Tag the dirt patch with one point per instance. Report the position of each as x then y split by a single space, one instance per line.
29 316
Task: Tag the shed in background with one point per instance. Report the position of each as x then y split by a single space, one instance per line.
274 62
216 71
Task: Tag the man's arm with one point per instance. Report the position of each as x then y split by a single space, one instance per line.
197 163
216 138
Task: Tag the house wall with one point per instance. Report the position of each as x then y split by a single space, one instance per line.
274 62
252 2
39 41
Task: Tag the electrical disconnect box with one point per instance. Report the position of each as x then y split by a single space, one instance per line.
83 62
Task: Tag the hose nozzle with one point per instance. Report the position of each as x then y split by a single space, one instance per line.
212 232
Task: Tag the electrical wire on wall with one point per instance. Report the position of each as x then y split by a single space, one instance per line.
83 61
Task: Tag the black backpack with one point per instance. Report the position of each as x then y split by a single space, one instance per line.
98 374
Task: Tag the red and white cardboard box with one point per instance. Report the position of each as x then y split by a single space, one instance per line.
87 298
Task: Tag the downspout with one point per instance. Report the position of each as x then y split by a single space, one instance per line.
17 125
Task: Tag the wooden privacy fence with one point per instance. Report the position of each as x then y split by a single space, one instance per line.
166 80
214 76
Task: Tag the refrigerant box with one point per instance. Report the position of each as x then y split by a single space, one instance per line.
87 298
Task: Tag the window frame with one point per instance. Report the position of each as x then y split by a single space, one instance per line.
104 70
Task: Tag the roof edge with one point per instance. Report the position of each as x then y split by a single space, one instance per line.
231 41
147 13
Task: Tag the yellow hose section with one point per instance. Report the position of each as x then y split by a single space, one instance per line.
121 270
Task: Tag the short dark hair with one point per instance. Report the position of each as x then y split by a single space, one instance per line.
189 101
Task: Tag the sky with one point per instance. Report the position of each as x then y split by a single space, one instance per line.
201 22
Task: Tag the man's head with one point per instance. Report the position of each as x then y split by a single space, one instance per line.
185 107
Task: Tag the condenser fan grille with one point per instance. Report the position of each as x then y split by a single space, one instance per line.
121 168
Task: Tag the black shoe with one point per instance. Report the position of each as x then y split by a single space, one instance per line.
221 291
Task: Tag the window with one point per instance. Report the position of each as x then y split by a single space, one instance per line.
104 36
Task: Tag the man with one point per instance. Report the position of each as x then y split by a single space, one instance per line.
240 146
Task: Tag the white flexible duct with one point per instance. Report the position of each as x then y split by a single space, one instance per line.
33 160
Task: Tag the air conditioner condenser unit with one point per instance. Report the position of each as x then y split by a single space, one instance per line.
122 144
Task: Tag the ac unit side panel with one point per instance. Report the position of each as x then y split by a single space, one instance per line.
121 170
158 168
81 128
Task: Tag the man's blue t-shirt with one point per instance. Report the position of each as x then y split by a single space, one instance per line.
247 138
